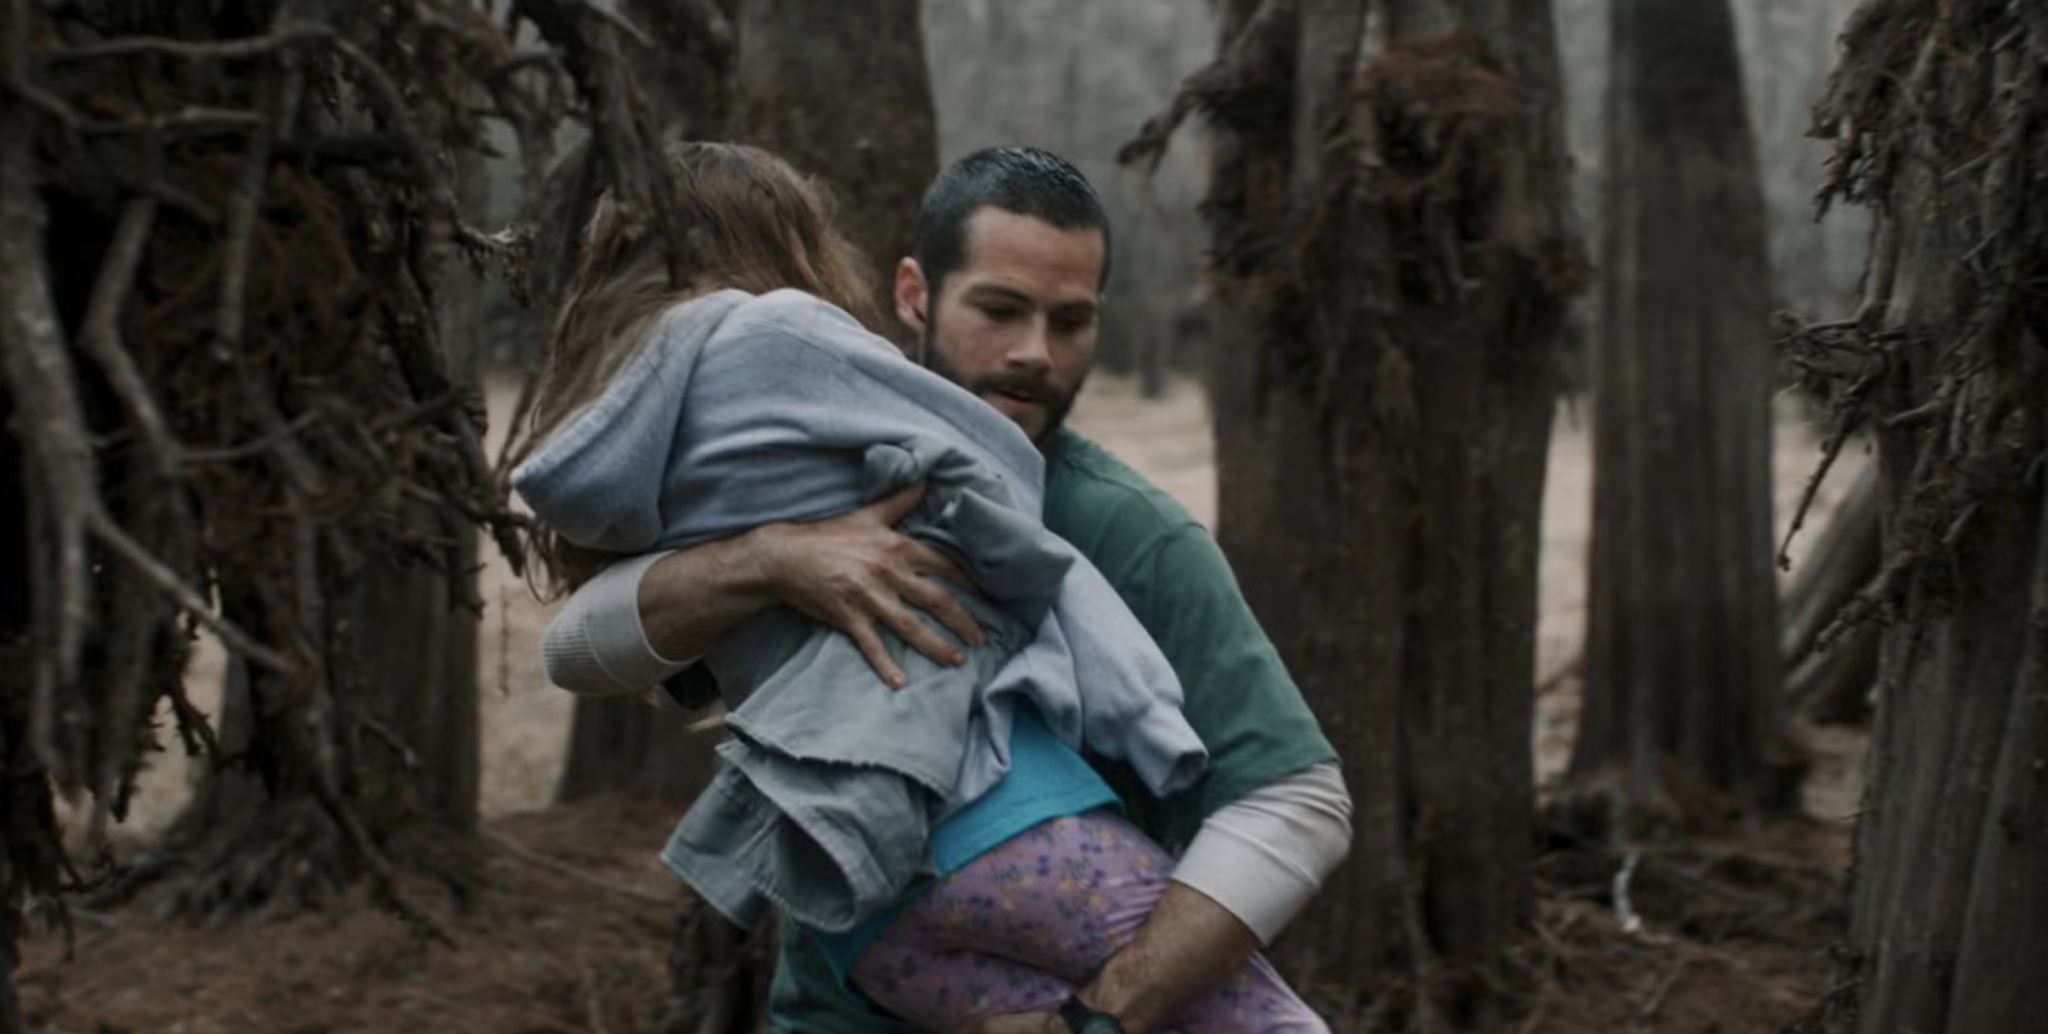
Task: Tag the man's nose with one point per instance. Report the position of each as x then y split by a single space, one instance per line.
1030 348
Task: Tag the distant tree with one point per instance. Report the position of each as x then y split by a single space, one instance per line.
1075 76
1939 114
1392 254
1682 652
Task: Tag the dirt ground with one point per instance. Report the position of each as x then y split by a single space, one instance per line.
570 930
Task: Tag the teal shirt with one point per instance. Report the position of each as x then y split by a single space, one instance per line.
1240 699
1046 780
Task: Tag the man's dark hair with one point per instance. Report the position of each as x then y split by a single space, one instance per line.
1020 180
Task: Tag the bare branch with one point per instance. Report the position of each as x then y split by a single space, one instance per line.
190 50
50 423
166 581
246 450
391 101
100 337
231 313
194 120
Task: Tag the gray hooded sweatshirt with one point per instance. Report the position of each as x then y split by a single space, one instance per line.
741 411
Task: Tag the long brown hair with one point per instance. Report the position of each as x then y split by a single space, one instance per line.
754 223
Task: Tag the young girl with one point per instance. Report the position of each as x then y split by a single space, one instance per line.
947 842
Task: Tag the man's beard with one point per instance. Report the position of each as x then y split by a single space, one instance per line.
1034 386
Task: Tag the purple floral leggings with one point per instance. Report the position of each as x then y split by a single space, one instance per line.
1020 927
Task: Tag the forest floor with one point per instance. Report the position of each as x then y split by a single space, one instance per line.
568 930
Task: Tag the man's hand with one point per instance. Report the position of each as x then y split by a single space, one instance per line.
857 573
1188 945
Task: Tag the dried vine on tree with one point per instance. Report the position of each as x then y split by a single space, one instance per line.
1939 113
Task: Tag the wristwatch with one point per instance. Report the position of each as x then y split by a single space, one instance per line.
1083 1018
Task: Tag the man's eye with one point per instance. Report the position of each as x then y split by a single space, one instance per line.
999 313
1070 324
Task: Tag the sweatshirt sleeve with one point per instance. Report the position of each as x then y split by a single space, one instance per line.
1264 855
596 645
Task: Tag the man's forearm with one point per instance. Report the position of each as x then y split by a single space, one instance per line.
643 619
1252 867
1188 945
689 600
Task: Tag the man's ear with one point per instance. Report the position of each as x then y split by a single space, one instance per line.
913 300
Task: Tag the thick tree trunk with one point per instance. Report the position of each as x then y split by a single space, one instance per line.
686 72
622 747
28 835
1682 652
405 724
403 670
1381 429
284 455
1949 908
417 679
22 779
841 89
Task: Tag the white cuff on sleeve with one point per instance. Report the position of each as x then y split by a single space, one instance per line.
1264 855
596 645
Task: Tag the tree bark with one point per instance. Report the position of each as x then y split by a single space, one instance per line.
623 747
397 733
842 90
22 780
1682 652
1949 919
1393 254
686 72
403 724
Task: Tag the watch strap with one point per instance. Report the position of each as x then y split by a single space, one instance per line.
1082 1018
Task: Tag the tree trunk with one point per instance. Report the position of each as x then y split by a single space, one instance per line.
235 411
686 71
1393 254
23 782
841 89
619 746
1949 908
404 672
1682 652
404 721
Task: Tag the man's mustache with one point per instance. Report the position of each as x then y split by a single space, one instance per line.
1036 387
